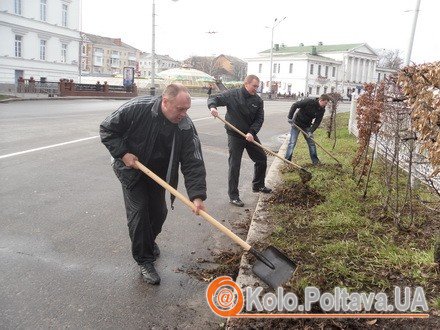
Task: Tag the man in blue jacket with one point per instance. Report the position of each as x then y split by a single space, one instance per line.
159 134
303 114
244 110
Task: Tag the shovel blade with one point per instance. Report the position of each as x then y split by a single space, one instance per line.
284 268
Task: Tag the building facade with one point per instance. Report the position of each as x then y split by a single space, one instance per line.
317 69
106 56
39 39
162 63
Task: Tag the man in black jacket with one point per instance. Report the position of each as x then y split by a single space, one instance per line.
158 133
244 110
302 114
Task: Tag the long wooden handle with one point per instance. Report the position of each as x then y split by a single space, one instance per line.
261 146
328 153
191 205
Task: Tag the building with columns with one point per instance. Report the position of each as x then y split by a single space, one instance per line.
39 39
316 69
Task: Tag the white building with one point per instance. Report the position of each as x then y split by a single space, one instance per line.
315 70
39 39
162 62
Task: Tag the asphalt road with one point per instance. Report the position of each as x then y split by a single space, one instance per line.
65 257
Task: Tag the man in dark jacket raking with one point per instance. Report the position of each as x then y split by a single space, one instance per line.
158 133
303 113
244 110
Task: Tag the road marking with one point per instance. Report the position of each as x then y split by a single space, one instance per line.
65 143
199 119
47 147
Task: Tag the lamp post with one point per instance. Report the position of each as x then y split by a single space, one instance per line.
153 46
413 31
276 22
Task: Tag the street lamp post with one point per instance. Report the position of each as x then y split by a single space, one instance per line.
153 50
413 31
276 22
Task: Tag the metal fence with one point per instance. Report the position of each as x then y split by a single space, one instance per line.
41 87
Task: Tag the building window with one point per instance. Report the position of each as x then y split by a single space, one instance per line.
260 67
326 71
43 50
378 76
18 40
325 89
310 89
318 89
311 70
84 50
332 89
274 70
279 66
43 10
64 15
333 71
63 53
290 67
319 70
17 7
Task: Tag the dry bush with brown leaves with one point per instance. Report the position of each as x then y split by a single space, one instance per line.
421 86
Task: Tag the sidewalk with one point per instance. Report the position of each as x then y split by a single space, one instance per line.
15 97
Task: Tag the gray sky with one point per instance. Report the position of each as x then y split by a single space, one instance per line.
182 26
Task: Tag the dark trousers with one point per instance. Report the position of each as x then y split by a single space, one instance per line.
146 212
236 146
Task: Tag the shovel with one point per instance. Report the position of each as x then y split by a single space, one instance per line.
272 266
305 175
305 133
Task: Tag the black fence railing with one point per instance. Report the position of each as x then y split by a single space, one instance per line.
34 86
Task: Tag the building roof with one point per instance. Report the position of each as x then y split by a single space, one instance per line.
233 59
157 56
95 39
319 48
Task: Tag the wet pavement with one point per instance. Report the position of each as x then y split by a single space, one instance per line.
65 256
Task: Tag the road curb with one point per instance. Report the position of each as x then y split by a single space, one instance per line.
18 99
259 228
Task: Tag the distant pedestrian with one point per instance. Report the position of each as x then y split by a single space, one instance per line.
244 110
209 91
302 114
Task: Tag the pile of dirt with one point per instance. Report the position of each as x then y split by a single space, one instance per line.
299 195
225 263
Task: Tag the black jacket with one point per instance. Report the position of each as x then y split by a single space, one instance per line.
134 128
309 110
244 111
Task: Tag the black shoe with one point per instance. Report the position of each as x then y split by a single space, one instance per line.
262 189
156 250
237 202
149 273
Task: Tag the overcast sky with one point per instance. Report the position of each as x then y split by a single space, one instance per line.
244 26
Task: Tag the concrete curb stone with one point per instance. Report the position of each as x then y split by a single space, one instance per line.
259 228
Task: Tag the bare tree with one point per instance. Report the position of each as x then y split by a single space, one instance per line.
389 58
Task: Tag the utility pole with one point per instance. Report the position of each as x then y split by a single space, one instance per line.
153 45
276 22
413 32
80 43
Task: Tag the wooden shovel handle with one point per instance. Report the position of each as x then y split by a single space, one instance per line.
191 205
261 146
